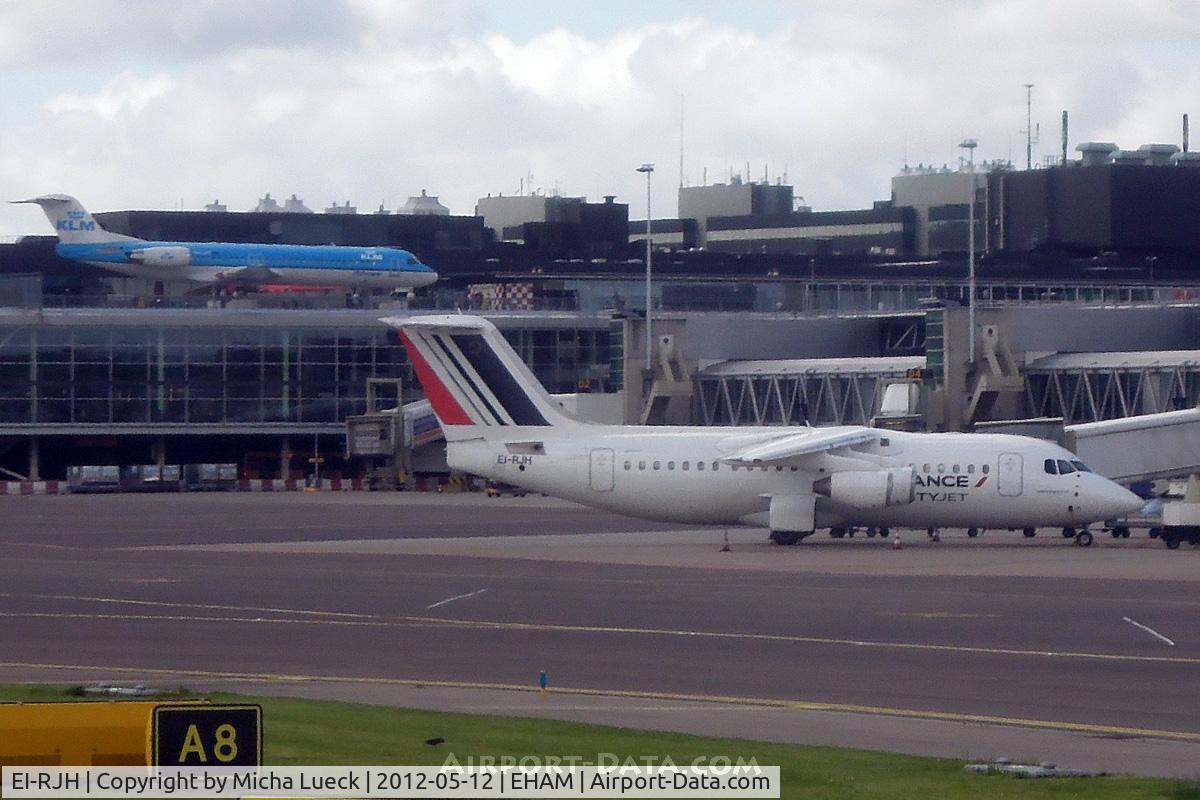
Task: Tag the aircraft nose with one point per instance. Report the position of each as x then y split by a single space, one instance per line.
426 278
1117 501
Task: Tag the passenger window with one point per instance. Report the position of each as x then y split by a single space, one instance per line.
687 465
1048 465
641 465
1079 465
700 466
658 465
715 465
1065 468
987 468
670 465
884 442
941 468
970 469
954 469
628 466
924 468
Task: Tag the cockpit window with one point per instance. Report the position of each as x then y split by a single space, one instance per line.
1079 465
1065 468
1049 466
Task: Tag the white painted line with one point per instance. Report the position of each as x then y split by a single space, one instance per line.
456 597
1148 630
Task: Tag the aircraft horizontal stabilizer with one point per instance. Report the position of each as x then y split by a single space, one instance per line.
795 445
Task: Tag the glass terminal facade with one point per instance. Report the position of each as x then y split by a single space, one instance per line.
113 368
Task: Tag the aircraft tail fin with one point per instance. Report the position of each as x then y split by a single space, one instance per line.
475 381
72 222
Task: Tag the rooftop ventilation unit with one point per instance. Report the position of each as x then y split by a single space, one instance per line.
1158 155
1095 153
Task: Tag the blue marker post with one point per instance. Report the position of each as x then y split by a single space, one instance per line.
542 683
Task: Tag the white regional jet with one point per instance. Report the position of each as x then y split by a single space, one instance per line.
500 423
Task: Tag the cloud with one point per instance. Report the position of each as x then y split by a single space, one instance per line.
372 100
126 94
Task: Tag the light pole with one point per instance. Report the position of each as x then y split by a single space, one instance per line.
970 145
648 169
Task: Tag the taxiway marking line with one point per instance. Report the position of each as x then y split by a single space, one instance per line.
678 697
1148 630
456 597
379 621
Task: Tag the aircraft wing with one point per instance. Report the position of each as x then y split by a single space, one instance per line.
255 275
794 445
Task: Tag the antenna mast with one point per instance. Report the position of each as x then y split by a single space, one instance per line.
681 141
1031 135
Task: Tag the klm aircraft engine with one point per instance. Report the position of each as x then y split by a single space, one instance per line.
162 256
870 488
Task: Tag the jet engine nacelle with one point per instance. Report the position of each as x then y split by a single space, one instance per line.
162 256
870 488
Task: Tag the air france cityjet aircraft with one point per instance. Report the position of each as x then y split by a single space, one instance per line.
81 238
500 423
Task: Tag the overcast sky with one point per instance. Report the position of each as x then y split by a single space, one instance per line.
144 104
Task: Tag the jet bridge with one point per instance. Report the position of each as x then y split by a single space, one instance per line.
1139 448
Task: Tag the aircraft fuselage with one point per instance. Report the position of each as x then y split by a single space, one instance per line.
218 262
676 474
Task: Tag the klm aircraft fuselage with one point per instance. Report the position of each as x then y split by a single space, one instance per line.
82 238
218 262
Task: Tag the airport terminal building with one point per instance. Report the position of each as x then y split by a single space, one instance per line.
180 385
779 315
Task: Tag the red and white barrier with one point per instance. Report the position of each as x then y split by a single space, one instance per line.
33 487
296 484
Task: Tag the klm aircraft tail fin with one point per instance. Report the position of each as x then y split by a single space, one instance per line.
72 222
475 381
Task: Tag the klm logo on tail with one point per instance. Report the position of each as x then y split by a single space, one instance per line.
75 221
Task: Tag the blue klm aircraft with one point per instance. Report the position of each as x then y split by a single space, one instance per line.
81 238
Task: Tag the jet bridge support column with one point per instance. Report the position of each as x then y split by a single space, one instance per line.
34 459
285 457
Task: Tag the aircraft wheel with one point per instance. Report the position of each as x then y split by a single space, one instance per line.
1116 534
785 538
1030 533
972 532
885 532
1154 532
1068 533
1084 539
1122 531
870 533
1172 541
837 533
